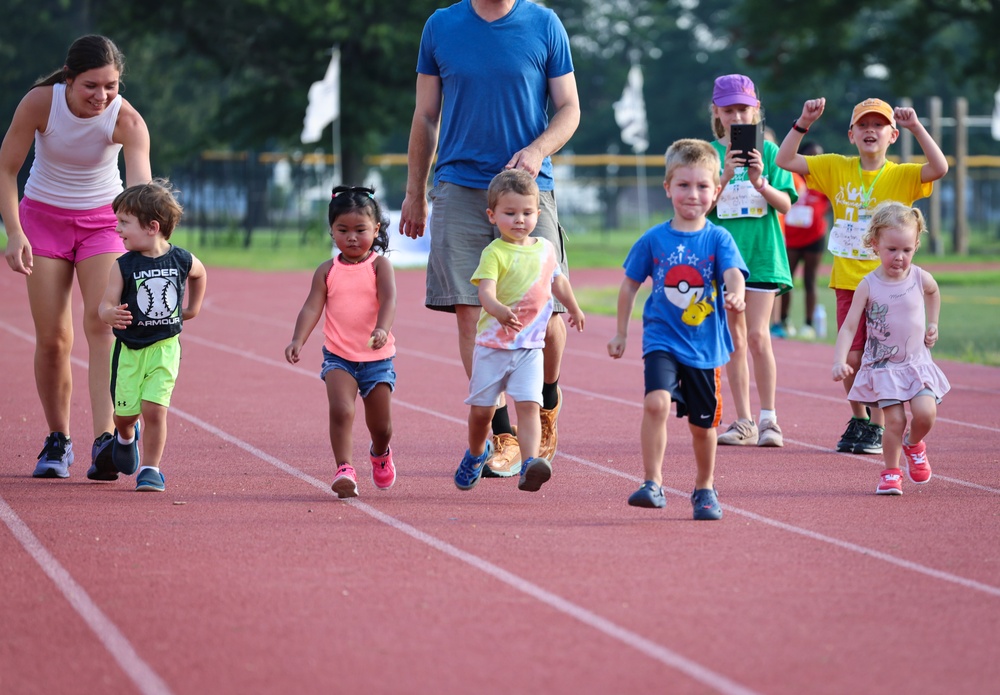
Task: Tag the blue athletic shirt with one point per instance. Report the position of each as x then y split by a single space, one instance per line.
685 312
494 82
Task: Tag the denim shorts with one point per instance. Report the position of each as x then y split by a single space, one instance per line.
367 374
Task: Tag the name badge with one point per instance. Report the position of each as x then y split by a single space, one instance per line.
740 199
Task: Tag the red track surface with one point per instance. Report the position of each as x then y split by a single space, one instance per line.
247 575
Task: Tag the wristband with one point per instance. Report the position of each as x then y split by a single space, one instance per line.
797 127
763 184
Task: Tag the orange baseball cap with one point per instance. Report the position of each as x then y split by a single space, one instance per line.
873 106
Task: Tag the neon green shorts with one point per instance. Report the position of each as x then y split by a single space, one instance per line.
147 374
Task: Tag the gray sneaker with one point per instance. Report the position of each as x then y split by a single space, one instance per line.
770 434
56 457
742 432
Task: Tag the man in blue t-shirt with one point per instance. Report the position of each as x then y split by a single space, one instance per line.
486 73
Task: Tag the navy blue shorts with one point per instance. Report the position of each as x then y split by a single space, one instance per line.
697 392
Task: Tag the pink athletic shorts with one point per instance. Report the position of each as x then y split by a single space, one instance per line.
71 235
844 299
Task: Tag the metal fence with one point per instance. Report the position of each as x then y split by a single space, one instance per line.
288 193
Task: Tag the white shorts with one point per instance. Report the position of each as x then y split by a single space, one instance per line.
518 372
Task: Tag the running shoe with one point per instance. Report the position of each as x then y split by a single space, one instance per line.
917 465
550 435
126 456
706 505
742 432
890 482
149 480
870 440
650 496
851 436
55 458
345 483
471 468
770 434
102 467
534 473
506 461
383 470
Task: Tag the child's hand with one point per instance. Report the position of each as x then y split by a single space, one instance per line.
931 336
755 168
576 320
811 111
905 117
616 346
120 317
292 351
730 163
734 302
508 319
842 371
379 339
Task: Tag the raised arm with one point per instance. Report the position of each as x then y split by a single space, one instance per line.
936 165
788 156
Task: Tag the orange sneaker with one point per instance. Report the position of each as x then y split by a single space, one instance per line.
506 461
550 436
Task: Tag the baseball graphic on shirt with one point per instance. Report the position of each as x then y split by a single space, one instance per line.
683 286
157 298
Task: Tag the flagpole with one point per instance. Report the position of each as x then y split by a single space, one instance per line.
338 169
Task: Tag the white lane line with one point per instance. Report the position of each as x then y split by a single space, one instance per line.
117 645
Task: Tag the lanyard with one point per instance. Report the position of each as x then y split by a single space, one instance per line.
866 194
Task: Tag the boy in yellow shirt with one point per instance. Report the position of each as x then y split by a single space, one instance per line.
855 185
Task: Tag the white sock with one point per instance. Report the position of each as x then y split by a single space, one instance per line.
771 415
122 440
152 468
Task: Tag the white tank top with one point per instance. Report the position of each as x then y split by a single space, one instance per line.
76 163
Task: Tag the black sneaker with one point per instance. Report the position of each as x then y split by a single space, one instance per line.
101 466
852 436
870 441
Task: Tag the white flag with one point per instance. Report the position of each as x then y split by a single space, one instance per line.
995 123
630 112
324 102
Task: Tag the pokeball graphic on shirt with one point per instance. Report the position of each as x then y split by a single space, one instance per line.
685 288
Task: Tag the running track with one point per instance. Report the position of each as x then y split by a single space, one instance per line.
249 576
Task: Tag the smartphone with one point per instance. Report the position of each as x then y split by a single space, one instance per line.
745 137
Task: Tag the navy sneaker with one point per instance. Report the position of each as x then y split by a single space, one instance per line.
650 495
870 441
706 505
471 469
535 472
149 480
101 465
126 458
55 458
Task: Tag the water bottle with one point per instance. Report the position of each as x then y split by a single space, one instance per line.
819 321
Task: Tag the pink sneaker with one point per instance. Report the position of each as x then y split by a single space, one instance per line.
345 484
917 465
890 482
383 471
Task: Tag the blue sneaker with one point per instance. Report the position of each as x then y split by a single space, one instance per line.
535 472
650 495
471 468
101 465
149 480
126 458
56 457
706 505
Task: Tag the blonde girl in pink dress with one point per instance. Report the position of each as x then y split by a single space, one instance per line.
901 304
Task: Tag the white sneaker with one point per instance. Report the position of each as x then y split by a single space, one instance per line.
741 433
807 333
770 434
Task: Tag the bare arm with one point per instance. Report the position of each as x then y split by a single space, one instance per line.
420 154
495 308
563 291
310 313
845 336
564 122
788 156
31 115
111 312
932 301
132 134
936 165
736 289
197 280
626 303
385 288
